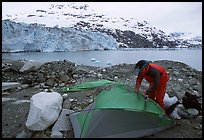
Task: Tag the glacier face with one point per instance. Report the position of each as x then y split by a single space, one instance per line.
73 27
32 37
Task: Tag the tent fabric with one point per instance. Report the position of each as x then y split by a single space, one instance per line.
119 112
113 123
121 97
89 85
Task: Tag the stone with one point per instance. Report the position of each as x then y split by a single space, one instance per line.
56 134
31 65
63 123
10 85
50 82
44 110
193 111
26 133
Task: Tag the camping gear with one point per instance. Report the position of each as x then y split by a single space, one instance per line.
89 85
119 113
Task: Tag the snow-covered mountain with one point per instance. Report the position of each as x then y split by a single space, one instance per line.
70 27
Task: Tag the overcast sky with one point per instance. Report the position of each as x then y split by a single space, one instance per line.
167 16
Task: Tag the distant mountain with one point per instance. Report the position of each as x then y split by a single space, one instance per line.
71 27
187 39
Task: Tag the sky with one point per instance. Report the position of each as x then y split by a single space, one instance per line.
167 16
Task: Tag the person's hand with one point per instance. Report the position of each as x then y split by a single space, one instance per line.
136 91
145 95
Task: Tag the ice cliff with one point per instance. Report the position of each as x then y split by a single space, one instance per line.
32 37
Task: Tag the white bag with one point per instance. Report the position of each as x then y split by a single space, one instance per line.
44 110
169 101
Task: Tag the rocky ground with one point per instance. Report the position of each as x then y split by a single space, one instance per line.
185 83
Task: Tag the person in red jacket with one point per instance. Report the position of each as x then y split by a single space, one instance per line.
157 77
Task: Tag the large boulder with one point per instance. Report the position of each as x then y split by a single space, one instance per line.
31 65
45 108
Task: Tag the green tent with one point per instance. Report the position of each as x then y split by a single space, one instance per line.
89 85
118 113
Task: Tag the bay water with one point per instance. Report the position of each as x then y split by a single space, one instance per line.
191 57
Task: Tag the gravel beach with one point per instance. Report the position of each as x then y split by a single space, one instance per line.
57 74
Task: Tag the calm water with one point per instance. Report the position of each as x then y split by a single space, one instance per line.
191 57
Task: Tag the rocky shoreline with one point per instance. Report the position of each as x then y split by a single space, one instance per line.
53 76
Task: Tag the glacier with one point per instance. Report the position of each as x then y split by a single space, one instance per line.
72 27
23 37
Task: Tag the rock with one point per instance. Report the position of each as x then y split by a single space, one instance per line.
63 77
180 80
99 75
192 111
10 85
31 65
44 110
56 134
178 86
50 82
63 124
40 135
24 86
25 134
182 113
198 126
5 93
180 106
199 119
175 114
8 99
198 88
191 101
64 96
193 81
115 78
40 77
176 73
21 101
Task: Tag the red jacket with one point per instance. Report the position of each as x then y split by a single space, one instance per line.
154 74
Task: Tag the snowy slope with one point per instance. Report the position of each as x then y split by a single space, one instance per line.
128 33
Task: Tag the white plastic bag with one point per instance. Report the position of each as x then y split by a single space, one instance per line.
169 101
44 110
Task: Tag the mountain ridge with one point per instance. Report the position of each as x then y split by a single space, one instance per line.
128 33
